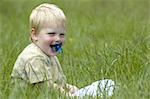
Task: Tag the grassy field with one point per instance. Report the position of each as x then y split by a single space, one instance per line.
105 39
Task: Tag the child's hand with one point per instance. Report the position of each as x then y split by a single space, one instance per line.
73 89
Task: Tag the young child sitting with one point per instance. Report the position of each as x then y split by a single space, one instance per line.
38 63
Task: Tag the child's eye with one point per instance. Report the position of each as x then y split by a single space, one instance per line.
52 33
62 34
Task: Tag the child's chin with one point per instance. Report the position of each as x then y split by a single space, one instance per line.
52 53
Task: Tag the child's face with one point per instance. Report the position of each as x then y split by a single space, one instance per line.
49 36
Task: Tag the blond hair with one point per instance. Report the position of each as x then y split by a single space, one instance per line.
47 15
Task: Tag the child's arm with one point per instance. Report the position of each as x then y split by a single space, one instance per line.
55 86
68 89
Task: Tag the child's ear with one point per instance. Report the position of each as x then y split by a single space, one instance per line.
33 34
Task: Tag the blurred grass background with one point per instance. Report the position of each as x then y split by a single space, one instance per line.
105 39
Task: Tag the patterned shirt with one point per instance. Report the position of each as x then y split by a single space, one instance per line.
33 66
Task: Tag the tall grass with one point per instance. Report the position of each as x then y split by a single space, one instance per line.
105 39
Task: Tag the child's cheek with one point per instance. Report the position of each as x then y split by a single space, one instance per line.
63 41
50 40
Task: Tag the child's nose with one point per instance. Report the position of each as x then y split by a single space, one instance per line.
57 38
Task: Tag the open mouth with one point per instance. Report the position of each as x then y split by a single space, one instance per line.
57 47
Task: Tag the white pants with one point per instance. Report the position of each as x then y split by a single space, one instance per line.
98 88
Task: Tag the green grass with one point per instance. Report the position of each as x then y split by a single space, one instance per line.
105 39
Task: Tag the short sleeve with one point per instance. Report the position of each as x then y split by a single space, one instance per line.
36 70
